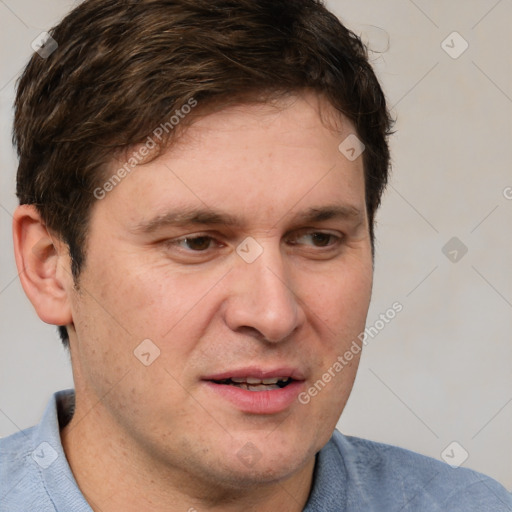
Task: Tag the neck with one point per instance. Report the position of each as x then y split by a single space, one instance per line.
114 473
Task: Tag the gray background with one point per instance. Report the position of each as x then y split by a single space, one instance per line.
441 370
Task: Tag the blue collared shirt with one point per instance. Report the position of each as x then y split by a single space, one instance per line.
351 475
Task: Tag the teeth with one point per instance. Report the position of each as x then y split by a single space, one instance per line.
253 384
254 381
262 387
257 387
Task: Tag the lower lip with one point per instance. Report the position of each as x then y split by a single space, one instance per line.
259 402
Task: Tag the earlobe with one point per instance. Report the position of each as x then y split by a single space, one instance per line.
39 259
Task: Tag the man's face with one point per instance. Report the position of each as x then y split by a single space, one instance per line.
243 252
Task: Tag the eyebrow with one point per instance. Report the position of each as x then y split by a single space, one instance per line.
209 217
333 212
186 217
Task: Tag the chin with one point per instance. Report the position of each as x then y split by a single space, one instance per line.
250 465
237 477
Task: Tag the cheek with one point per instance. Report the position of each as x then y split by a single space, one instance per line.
171 308
112 317
140 297
340 299
338 308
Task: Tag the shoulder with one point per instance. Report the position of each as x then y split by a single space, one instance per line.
14 451
34 473
384 476
20 483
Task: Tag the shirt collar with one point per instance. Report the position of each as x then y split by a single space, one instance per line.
50 459
328 491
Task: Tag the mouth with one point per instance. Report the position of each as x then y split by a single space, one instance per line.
257 391
254 384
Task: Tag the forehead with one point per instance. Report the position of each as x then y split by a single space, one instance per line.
252 160
293 115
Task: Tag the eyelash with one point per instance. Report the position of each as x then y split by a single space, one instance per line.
337 238
337 241
196 237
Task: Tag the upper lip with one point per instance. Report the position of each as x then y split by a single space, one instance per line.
258 373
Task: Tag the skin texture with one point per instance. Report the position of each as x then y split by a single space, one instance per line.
156 437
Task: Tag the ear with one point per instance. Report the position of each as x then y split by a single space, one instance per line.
43 266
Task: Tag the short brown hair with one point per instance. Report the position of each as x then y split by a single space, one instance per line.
123 67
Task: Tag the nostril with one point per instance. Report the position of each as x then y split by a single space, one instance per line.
250 331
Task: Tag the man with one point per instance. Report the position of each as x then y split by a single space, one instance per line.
198 181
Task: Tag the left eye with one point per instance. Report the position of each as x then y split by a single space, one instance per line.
321 239
197 244
317 239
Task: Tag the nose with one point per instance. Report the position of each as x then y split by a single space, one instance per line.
261 299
